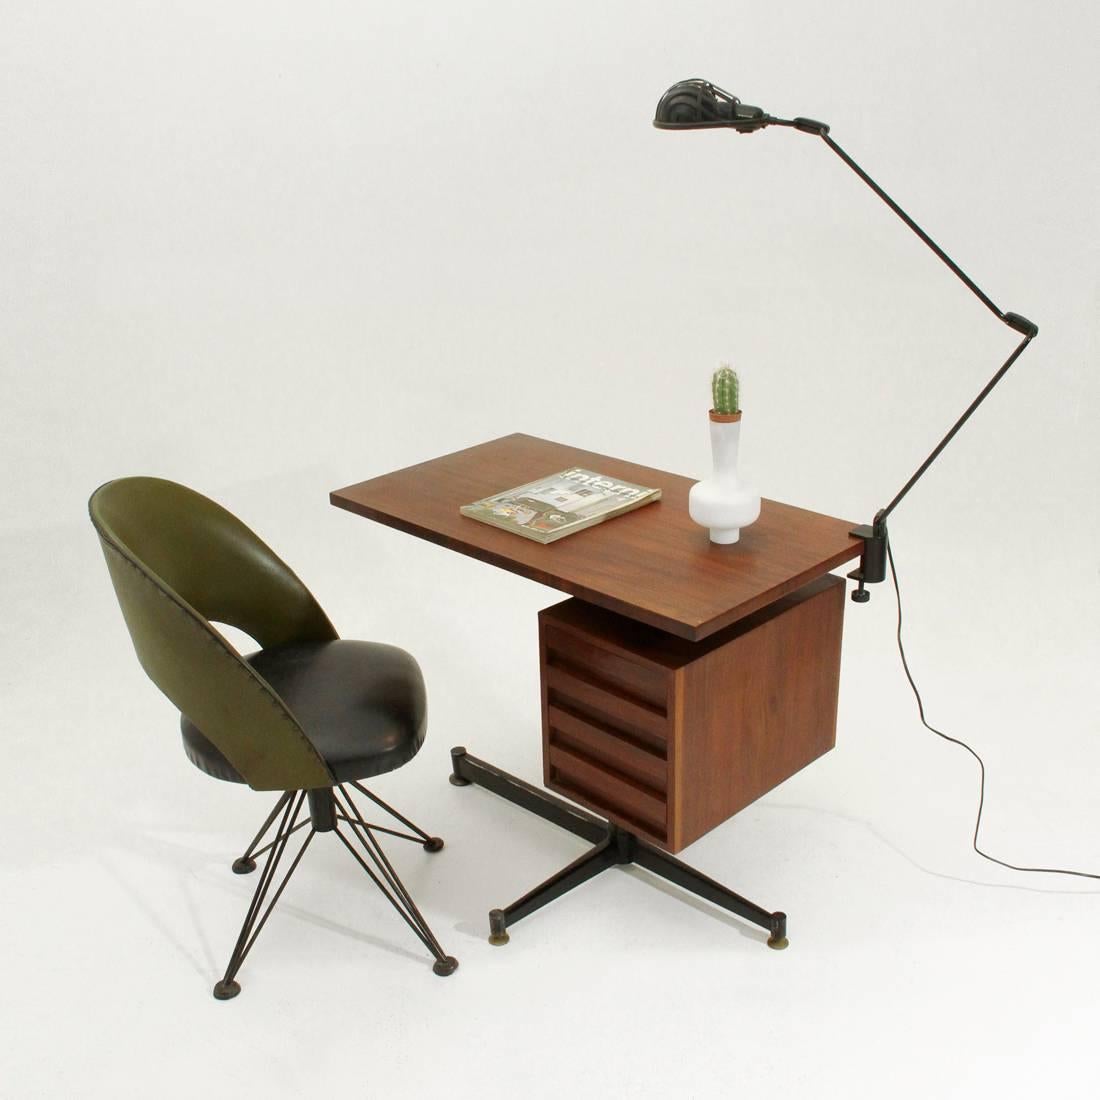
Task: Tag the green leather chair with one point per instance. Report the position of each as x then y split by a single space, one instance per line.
308 715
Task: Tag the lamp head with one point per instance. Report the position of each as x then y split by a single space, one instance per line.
700 105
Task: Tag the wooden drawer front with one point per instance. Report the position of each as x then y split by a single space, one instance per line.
606 746
622 676
606 730
607 791
579 692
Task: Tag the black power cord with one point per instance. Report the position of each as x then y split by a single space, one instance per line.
963 745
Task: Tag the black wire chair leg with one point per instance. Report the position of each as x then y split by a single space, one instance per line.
392 888
431 843
246 864
364 832
254 922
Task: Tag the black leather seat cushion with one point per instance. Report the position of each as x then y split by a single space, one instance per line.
361 704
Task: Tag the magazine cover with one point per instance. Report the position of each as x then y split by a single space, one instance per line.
559 504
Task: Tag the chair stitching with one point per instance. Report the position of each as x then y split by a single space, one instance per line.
237 663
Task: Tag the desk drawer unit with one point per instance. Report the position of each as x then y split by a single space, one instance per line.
668 738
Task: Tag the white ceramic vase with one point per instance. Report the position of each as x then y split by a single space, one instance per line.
720 502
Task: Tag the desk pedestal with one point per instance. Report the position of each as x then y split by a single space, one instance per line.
667 738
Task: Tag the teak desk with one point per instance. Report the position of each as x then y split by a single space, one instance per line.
681 682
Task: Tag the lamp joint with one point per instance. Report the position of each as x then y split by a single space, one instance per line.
1021 324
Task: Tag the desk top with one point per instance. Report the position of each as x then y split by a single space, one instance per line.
653 564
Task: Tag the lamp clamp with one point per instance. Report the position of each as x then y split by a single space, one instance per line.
872 559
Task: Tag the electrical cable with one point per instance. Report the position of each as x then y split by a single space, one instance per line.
963 745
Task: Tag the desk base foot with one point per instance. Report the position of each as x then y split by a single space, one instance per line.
612 846
498 937
778 938
457 780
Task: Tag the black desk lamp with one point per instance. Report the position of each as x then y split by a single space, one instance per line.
698 105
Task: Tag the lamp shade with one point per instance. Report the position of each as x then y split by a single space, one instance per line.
698 104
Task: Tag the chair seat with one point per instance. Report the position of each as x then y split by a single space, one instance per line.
361 704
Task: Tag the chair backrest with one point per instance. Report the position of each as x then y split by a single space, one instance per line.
179 562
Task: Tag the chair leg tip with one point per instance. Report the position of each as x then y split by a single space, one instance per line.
777 943
458 781
445 966
226 991
244 866
433 844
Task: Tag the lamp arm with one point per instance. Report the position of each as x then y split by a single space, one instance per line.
872 567
962 275
881 517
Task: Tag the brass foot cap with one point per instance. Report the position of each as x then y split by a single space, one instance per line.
498 927
243 866
458 781
445 966
226 991
778 944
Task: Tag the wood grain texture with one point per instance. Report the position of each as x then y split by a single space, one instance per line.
605 726
653 565
758 708
669 737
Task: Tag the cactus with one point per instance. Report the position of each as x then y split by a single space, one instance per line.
726 390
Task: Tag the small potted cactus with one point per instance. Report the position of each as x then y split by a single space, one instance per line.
725 389
720 502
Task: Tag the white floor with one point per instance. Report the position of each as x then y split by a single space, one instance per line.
915 969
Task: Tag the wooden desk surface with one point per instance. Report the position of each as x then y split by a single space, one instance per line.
654 564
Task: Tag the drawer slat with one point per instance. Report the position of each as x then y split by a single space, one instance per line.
645 683
602 744
649 722
607 790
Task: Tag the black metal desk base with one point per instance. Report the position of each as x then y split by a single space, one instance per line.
612 846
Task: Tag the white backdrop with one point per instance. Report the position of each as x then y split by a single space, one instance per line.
272 249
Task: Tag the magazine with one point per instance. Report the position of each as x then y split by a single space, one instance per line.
559 504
